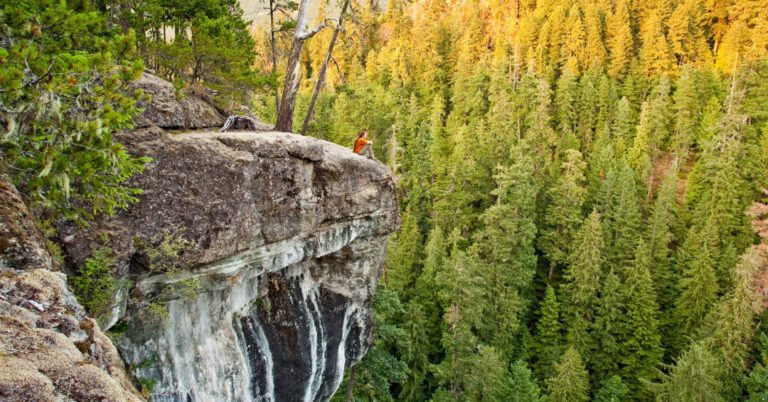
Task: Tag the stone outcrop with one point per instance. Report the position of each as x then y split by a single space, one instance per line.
49 349
281 241
167 108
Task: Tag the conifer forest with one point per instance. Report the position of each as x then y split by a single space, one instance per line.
581 183
574 178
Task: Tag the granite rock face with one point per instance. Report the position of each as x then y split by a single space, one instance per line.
49 349
167 110
282 241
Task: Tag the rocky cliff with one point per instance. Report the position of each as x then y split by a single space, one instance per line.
253 258
49 349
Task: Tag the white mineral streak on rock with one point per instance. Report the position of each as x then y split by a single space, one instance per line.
341 354
268 394
317 340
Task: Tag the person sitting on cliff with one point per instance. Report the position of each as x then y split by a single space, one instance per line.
363 146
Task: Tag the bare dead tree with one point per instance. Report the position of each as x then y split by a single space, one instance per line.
272 9
292 76
323 70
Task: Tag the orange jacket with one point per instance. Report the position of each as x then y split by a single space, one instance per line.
359 144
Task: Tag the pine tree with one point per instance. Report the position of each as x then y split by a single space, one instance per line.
464 308
565 101
688 112
613 390
522 387
622 128
583 279
575 43
686 36
641 350
655 54
732 321
404 256
617 202
662 225
539 134
570 382
64 78
639 154
693 378
596 53
620 40
488 379
417 355
660 119
605 338
548 339
698 283
606 100
506 244
563 214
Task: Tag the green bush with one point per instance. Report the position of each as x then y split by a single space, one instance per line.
95 285
64 73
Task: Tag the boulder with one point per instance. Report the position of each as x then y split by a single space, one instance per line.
254 257
166 108
49 349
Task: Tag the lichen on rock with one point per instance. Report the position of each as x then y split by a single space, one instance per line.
49 349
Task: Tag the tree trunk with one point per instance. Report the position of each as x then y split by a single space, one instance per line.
274 55
351 384
292 77
321 76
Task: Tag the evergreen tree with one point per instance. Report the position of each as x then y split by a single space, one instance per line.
460 294
639 155
613 390
570 382
588 110
563 214
623 124
506 244
566 96
583 279
662 225
620 40
488 379
688 111
382 365
404 256
64 77
693 378
641 349
595 53
522 387
731 322
698 283
655 54
548 339
660 119
607 330
617 203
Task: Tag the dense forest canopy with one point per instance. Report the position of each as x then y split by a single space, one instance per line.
574 178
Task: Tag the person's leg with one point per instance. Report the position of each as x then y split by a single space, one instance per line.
367 151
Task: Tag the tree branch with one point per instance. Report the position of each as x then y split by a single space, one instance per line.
309 34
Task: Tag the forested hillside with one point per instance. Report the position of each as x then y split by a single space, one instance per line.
573 177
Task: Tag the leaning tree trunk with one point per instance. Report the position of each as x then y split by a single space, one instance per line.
321 76
292 77
272 8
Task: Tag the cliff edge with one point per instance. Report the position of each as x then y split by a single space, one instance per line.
252 259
